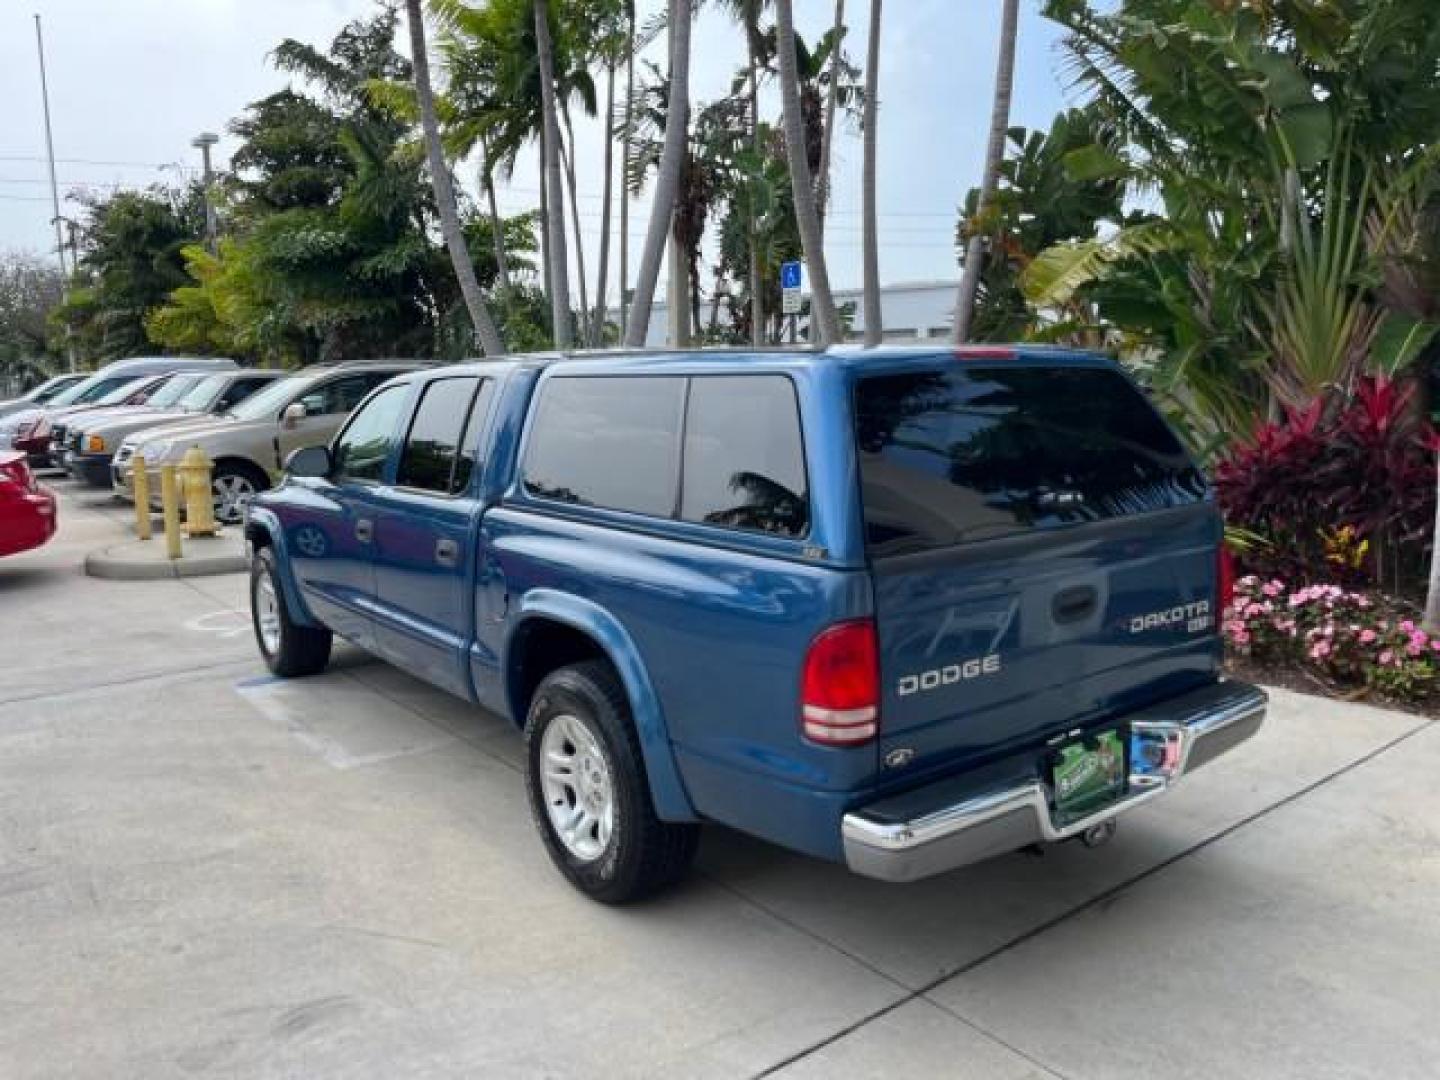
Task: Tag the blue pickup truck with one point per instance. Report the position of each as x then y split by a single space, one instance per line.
901 608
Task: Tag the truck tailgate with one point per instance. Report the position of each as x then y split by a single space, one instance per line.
987 648
1043 550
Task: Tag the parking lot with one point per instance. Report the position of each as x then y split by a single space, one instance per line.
206 872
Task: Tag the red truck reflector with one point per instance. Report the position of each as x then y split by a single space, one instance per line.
840 689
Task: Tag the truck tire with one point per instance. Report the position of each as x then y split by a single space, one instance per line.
289 649
589 794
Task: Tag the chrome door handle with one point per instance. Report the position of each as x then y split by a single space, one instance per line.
364 530
447 552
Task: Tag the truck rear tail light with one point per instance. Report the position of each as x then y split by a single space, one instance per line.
1225 577
840 689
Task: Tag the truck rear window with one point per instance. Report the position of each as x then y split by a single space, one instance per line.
980 452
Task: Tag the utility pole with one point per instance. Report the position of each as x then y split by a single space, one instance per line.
55 220
203 142
50 148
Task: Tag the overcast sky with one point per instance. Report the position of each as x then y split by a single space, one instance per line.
132 81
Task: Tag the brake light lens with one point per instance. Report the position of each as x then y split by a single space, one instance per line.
840 689
18 473
1225 577
984 352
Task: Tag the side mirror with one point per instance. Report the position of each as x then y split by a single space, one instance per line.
308 461
293 414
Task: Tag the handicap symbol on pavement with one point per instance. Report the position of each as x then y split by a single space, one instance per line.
228 623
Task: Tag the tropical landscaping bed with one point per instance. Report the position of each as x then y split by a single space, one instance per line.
1331 512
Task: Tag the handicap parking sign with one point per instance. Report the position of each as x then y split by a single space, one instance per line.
792 279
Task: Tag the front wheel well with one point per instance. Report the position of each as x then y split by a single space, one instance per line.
243 466
258 535
542 646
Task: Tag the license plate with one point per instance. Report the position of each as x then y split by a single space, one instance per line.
1088 775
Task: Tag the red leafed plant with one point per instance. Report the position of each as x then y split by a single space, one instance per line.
1362 466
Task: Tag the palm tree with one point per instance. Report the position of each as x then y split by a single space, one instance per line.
822 302
667 184
602 283
874 329
484 325
557 268
626 137
990 180
747 13
832 98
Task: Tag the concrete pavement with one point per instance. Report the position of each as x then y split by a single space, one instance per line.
206 872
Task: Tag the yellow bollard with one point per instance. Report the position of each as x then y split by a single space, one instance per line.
170 501
199 498
142 497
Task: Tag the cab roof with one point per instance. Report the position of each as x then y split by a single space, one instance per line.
887 357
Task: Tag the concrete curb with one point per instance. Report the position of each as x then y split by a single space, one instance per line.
144 560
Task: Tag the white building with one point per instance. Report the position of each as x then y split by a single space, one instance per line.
913 311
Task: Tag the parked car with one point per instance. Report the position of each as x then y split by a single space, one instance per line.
27 510
96 388
904 609
154 397
39 439
248 445
42 394
93 440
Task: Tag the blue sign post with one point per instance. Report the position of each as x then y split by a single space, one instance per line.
792 285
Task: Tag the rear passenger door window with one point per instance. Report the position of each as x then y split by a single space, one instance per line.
607 441
744 458
439 451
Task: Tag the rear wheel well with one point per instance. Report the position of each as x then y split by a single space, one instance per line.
540 647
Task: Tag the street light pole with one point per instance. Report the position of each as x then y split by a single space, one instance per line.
203 142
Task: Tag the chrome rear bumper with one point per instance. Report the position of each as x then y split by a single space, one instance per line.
936 828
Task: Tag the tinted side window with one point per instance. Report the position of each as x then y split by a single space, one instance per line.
975 453
607 441
363 447
744 460
342 395
238 391
431 448
470 442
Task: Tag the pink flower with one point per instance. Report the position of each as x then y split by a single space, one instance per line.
1362 601
1408 626
1272 588
1320 650
1420 638
1435 644
1413 649
1386 657
1368 637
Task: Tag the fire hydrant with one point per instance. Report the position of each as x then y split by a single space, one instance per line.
199 495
